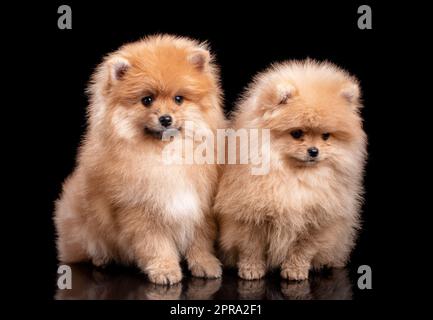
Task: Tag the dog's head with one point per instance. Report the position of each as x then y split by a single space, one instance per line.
154 85
312 110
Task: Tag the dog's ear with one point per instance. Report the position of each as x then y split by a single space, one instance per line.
283 93
351 93
118 67
199 58
108 73
276 96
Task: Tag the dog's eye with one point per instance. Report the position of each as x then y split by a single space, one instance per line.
326 136
147 101
178 100
297 134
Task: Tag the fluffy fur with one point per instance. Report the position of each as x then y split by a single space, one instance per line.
305 213
122 203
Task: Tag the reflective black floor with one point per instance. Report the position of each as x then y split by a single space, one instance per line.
119 283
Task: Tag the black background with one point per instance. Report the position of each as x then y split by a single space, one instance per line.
245 38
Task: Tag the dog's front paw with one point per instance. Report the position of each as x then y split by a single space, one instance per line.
297 273
251 271
165 277
165 274
209 267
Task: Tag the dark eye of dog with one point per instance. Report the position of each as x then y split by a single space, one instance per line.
147 101
297 134
178 100
326 136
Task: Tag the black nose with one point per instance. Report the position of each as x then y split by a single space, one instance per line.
165 120
313 152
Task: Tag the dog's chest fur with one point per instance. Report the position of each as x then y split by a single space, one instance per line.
315 196
140 178
174 196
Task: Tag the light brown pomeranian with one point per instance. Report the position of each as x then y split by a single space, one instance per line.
123 203
304 213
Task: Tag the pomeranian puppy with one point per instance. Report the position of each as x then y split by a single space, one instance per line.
304 213
123 203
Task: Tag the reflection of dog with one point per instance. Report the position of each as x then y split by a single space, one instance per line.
202 289
333 285
296 290
330 284
89 283
252 290
122 202
305 212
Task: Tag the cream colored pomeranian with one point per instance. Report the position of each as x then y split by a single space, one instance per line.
304 213
123 203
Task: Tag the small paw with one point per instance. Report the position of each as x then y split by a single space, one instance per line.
251 271
165 276
206 268
295 273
